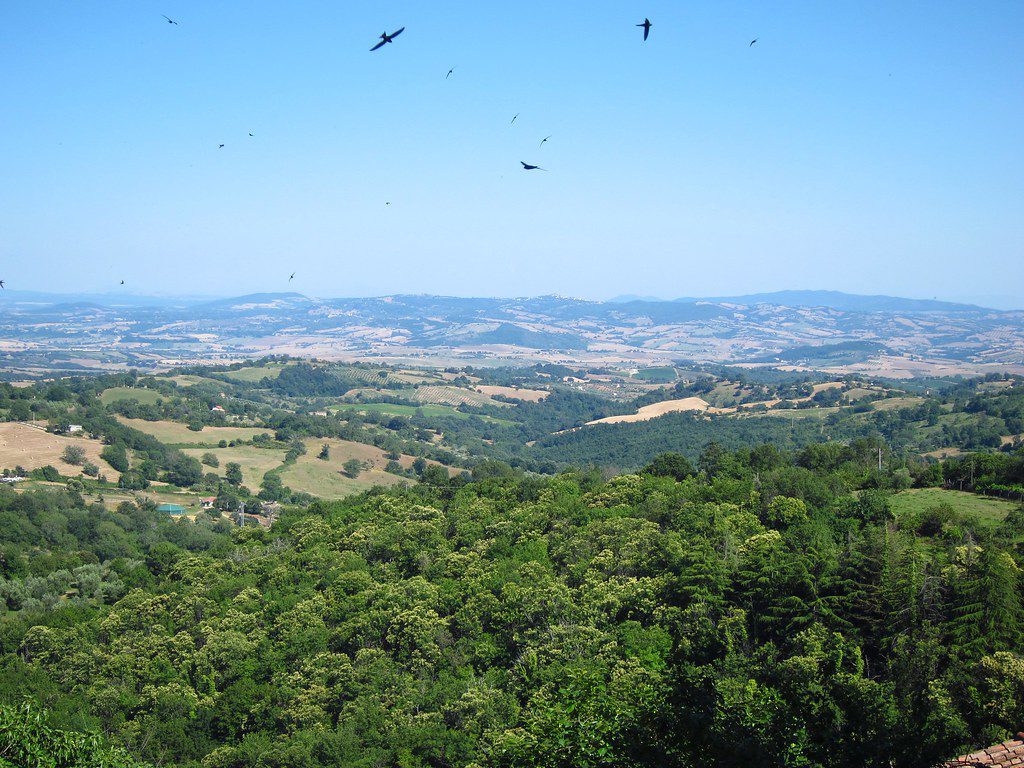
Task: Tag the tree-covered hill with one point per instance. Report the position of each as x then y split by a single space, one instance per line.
758 608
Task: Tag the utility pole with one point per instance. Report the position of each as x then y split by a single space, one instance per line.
241 515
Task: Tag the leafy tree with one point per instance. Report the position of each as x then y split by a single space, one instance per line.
73 454
673 465
233 473
116 456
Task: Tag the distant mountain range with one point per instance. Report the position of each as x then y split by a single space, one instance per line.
801 329
849 302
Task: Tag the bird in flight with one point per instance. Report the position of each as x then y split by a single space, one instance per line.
220 146
170 20
449 73
250 134
513 118
292 277
544 140
752 42
122 282
2 285
647 27
528 167
386 38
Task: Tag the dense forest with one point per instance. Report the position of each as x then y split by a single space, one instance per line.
756 607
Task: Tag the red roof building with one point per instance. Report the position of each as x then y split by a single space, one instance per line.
1009 754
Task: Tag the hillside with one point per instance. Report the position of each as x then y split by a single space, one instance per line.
257 428
766 610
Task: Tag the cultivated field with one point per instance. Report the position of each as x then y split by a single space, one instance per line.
31 448
653 411
138 394
188 380
895 403
515 393
455 396
399 409
255 373
173 433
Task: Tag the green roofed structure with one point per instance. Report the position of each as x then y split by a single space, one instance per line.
171 509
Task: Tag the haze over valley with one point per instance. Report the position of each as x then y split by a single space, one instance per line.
796 330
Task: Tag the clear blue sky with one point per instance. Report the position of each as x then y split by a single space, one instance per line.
871 147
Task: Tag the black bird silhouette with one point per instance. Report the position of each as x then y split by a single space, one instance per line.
386 38
513 118
752 42
449 73
290 278
170 20
250 134
543 140
220 146
647 27
122 282
528 167
2 285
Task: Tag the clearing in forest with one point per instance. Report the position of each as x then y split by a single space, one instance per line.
138 394
174 433
255 462
988 509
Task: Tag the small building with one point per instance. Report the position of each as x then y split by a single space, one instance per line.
74 428
208 502
12 479
217 409
171 509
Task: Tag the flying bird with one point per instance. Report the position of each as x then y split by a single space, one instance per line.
122 282
528 167
449 73
292 277
170 20
752 42
647 27
544 140
386 38
2 285
250 134
513 118
220 146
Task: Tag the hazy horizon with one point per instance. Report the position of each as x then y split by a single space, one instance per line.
1004 303
871 149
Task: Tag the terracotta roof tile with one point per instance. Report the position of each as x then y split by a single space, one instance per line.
1009 754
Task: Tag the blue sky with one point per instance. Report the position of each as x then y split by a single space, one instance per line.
871 147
